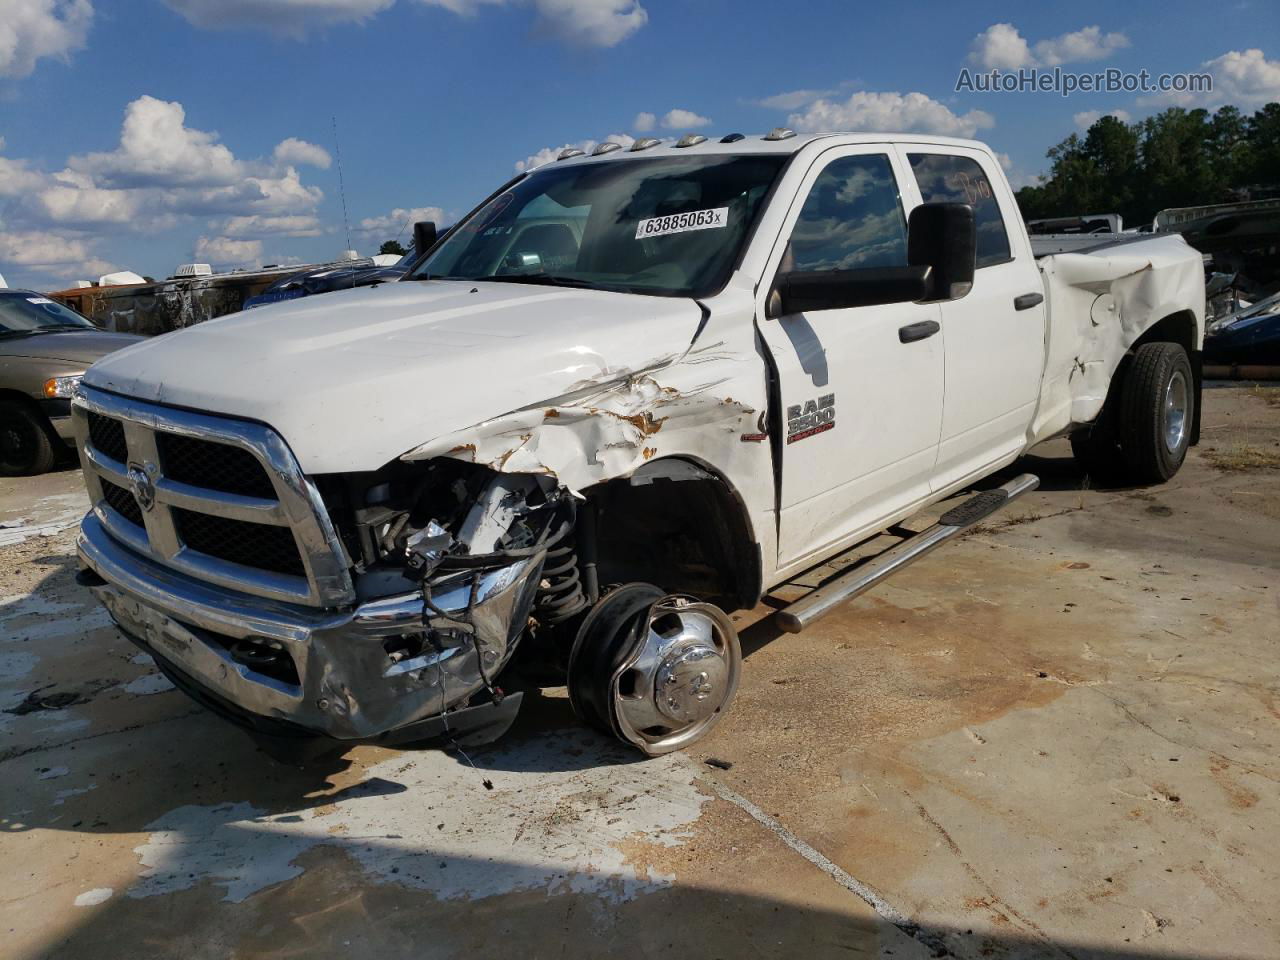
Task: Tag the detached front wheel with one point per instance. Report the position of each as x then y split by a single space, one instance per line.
653 670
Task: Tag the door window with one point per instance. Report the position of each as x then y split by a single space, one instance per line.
851 219
944 178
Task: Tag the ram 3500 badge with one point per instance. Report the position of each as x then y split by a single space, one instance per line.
367 515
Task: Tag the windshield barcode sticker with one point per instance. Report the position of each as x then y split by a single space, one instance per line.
682 222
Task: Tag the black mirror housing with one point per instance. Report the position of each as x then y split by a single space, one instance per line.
805 291
943 236
424 236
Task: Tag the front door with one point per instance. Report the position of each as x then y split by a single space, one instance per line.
862 399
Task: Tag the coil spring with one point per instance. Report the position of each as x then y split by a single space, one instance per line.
563 596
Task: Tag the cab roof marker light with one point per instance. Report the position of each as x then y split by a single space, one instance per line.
690 140
570 152
644 143
732 138
603 148
780 133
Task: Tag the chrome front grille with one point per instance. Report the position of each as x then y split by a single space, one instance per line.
221 500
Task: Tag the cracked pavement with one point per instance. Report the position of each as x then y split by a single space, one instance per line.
1056 737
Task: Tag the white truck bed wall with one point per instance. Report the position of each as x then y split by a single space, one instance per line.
1098 305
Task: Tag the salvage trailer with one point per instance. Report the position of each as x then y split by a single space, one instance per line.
630 392
176 303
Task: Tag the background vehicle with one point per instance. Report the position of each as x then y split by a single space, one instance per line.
693 371
44 350
328 278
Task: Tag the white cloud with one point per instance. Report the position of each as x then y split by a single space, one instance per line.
587 23
296 153
644 122
1245 78
257 225
793 99
1002 47
33 29
890 111
399 222
157 148
290 17
226 252
1089 43
1087 118
40 249
683 120
548 154
592 23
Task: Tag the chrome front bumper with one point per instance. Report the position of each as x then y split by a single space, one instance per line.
349 686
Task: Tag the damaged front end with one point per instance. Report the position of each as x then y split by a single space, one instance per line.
447 561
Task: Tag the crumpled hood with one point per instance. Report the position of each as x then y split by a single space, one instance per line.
354 379
70 346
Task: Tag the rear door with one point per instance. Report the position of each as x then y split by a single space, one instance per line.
994 337
862 408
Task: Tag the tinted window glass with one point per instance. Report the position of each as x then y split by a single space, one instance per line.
851 219
949 179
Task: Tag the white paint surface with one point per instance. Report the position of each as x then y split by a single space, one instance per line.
92 898
560 808
148 684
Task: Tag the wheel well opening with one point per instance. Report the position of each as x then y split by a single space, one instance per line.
1179 328
679 527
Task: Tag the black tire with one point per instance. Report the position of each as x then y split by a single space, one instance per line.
1157 410
26 441
1097 451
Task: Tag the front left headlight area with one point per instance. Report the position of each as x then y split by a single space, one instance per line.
62 388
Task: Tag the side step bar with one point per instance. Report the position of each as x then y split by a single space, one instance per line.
859 580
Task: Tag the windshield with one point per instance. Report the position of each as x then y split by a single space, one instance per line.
24 312
670 226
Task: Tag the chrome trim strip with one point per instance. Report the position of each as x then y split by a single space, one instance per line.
298 505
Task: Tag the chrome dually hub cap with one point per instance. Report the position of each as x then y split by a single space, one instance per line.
680 678
1176 396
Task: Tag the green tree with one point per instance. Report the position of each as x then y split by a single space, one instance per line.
393 247
1175 158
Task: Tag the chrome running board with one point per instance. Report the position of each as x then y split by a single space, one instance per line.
859 580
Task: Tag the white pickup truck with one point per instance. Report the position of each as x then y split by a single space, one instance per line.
627 392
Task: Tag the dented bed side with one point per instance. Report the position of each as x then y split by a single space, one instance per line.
1099 304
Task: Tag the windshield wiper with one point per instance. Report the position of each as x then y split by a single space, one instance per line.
545 279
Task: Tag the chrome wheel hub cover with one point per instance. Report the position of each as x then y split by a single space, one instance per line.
1175 412
681 676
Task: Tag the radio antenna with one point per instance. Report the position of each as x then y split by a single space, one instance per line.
342 187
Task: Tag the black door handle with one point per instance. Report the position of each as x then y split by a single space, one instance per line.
918 331
1027 301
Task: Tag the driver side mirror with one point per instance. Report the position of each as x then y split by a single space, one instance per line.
424 236
941 256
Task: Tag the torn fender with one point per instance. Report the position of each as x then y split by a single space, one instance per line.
609 427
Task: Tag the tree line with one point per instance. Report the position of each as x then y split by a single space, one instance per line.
1177 158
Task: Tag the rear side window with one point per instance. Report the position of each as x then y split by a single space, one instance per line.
950 179
851 219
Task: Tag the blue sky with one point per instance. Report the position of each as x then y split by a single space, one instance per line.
141 134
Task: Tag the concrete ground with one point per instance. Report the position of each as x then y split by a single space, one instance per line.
1058 737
